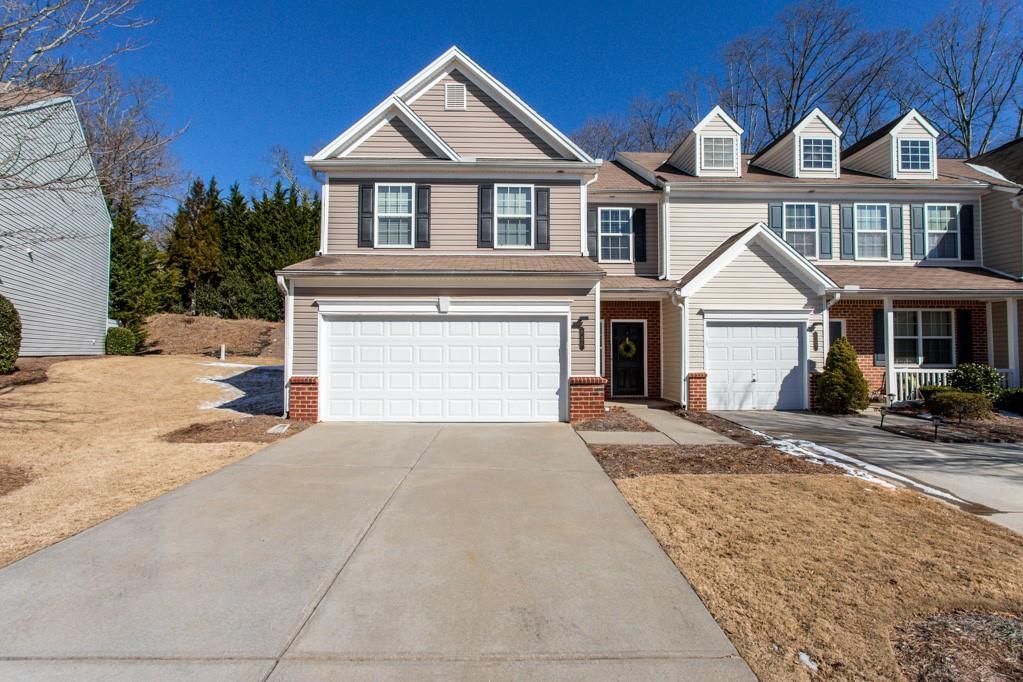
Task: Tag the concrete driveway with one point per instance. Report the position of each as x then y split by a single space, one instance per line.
986 474
369 552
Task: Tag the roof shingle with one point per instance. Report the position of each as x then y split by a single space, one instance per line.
920 278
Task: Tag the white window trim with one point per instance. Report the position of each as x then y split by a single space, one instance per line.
646 355
816 226
816 138
959 233
600 236
377 216
887 232
930 155
920 337
531 216
465 97
735 153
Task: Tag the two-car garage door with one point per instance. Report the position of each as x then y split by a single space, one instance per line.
437 368
755 366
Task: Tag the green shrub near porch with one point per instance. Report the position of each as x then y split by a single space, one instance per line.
120 341
973 377
1011 399
959 405
842 389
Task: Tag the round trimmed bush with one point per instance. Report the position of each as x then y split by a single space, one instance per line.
927 391
959 405
973 377
842 389
10 335
120 341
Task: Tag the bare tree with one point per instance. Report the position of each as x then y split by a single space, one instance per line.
968 75
283 170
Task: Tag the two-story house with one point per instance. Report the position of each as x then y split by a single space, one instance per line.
476 264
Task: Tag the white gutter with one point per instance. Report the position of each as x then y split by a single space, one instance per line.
583 210
285 288
666 233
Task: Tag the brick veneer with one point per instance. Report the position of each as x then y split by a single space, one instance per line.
859 329
585 398
697 398
303 399
634 310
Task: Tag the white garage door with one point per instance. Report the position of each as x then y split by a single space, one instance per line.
444 369
754 366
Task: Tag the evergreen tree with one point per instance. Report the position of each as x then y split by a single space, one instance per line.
842 388
194 245
134 270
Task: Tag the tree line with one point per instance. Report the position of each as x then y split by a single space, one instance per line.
962 71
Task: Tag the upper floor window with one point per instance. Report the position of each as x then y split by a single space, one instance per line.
454 96
394 215
818 153
914 155
616 235
871 223
941 225
923 337
800 228
514 215
719 153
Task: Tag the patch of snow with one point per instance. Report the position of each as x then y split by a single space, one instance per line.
806 660
228 364
278 428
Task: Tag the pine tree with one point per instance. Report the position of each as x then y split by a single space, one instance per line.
842 389
134 270
194 245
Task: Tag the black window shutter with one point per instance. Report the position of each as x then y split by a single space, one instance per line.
895 230
775 218
966 231
542 216
591 234
964 336
639 234
847 232
917 250
879 349
365 216
422 216
485 218
824 231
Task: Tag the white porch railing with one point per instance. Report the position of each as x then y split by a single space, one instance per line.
908 380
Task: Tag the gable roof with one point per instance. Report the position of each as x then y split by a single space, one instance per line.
886 129
455 59
719 112
616 176
349 140
1007 160
795 128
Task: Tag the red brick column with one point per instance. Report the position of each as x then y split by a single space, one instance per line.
697 401
303 399
585 398
814 377
634 310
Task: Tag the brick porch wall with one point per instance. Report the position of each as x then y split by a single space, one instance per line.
697 399
859 329
303 399
585 398
634 310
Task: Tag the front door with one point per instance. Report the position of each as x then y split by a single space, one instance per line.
628 348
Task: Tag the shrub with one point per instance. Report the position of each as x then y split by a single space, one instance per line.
120 341
959 405
927 391
842 388
972 377
10 336
1011 400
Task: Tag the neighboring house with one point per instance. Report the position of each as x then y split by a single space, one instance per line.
477 265
54 227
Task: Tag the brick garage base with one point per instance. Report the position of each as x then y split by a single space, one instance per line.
585 398
697 398
634 310
303 399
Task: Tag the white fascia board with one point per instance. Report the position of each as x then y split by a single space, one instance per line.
441 305
817 113
639 170
38 104
913 113
986 170
350 140
718 111
391 168
756 315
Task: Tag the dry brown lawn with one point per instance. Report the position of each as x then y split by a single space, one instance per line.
90 441
828 565
172 334
614 419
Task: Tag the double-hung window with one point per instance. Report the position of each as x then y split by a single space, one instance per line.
800 228
924 337
616 235
719 153
394 211
871 223
941 224
818 153
514 215
915 155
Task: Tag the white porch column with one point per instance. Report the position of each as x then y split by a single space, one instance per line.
889 346
1012 322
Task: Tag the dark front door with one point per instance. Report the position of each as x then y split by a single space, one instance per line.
627 353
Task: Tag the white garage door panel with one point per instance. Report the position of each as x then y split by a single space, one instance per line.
754 366
444 369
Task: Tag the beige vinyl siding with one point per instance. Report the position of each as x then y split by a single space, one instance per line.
1003 233
779 157
999 334
484 129
876 159
651 265
716 127
582 340
684 157
453 216
394 140
754 280
671 351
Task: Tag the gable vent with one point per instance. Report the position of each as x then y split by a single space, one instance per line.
454 97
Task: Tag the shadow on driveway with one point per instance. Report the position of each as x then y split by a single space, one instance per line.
261 388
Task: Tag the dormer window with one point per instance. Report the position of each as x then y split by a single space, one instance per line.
818 153
719 153
915 155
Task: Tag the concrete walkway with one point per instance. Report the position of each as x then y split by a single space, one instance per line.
988 474
679 430
369 552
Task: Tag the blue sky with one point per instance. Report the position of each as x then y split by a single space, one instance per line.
245 75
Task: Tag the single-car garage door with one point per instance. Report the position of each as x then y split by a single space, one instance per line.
754 366
435 368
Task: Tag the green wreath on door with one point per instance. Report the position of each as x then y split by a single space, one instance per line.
627 349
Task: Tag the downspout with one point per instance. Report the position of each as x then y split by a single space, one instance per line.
683 346
285 289
583 208
665 231
826 319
